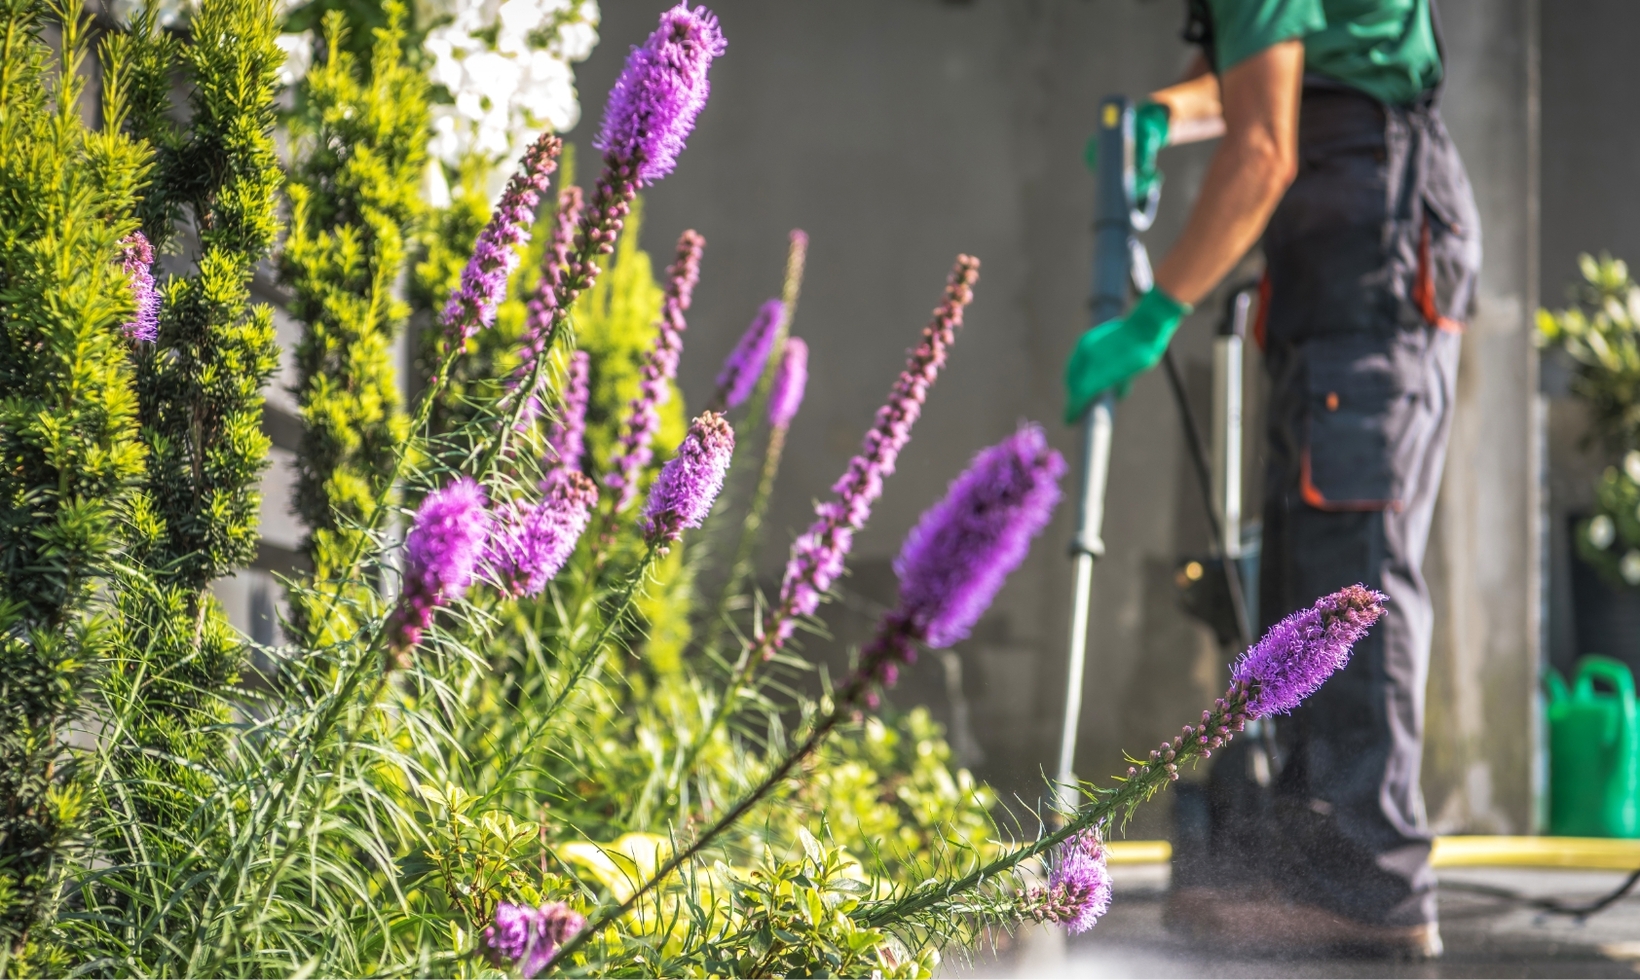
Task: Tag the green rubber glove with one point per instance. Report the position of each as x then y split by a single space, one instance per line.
1112 354
1150 122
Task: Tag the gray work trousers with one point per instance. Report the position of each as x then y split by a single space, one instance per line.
1371 260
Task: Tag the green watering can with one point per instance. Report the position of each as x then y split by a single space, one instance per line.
1594 752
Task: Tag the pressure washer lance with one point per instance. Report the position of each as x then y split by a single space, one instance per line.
1120 261
1114 225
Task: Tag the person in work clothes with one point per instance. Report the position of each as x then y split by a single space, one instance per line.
1334 153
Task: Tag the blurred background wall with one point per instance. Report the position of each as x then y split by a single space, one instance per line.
901 132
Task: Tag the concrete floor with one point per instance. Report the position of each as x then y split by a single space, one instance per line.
1487 934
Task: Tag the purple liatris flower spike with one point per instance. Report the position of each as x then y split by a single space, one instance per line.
817 555
961 551
495 254
786 395
663 87
744 365
964 547
690 482
441 554
660 366
530 544
540 322
529 937
1303 650
138 260
1078 891
567 437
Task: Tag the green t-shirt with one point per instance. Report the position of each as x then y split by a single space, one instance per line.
1385 48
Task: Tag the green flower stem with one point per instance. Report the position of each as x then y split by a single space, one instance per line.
740 572
1144 780
750 532
582 665
846 700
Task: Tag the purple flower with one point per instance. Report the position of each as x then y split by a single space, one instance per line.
540 323
1079 885
495 254
530 545
964 547
690 482
530 936
786 395
961 551
137 257
441 554
1303 650
744 366
567 436
817 555
660 366
663 87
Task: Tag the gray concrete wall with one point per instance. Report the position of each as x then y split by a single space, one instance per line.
1481 755
900 132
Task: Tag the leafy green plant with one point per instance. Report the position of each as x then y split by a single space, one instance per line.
355 209
1601 333
69 452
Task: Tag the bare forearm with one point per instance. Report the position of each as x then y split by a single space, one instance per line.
1251 170
1244 184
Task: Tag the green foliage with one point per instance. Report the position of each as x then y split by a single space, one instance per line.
345 814
69 453
361 147
1601 333
783 918
615 324
201 385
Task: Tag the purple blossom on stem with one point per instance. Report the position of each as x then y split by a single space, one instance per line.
744 365
530 937
1303 650
786 394
964 547
137 258
566 439
1079 886
441 554
539 322
1289 664
817 555
495 254
961 551
530 544
689 483
652 108
660 366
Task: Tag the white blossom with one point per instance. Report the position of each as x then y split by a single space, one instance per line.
1629 567
298 49
505 65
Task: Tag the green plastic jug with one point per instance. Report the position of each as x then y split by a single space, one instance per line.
1594 752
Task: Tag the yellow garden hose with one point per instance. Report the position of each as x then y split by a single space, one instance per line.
1589 853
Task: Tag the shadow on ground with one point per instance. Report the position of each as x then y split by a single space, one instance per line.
1488 926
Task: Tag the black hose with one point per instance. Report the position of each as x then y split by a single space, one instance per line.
1554 906
1198 455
